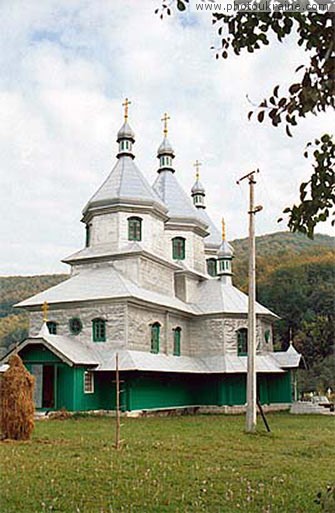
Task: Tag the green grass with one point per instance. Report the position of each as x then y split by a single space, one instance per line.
173 464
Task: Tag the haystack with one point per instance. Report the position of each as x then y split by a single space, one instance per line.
16 401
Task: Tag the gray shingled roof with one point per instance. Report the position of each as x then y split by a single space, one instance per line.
175 198
289 358
125 183
102 283
214 238
108 283
75 352
217 296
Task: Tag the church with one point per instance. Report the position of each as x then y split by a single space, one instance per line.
153 285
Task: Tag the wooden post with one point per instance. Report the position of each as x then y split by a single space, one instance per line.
251 413
117 381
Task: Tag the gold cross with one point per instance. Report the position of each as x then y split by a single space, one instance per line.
165 119
45 308
223 229
197 164
125 105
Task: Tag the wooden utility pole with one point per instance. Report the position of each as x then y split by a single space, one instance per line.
118 413
251 414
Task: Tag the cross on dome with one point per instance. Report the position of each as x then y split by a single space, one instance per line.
126 105
197 164
223 231
165 119
45 309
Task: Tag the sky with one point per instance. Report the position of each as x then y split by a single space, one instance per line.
66 67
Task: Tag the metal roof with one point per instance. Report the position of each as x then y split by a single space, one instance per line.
214 238
127 184
218 296
165 148
175 198
287 359
103 283
102 358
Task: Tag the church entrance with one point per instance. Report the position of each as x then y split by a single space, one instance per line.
44 392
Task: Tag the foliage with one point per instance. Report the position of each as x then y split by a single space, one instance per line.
202 464
16 401
312 92
317 196
16 288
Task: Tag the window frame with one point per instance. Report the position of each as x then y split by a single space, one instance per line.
178 253
99 329
52 327
215 267
134 223
80 325
155 337
177 341
242 344
88 389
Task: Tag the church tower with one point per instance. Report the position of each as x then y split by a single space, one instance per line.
225 257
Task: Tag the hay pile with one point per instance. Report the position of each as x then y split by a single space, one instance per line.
16 401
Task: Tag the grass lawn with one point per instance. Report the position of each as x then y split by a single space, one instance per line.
173 464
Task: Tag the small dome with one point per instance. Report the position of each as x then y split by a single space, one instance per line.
225 250
125 132
165 148
198 188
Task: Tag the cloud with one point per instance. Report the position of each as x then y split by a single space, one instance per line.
66 67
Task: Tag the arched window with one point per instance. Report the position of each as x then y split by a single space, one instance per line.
134 228
176 341
211 267
242 342
99 330
52 327
178 248
155 332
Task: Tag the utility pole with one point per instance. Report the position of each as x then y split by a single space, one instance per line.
251 414
118 413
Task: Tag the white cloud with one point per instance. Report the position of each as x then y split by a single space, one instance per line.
66 65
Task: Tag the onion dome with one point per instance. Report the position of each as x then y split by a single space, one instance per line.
126 135
198 190
225 256
165 152
126 132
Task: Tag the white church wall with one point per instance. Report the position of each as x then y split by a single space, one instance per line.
114 314
194 248
104 230
156 277
139 330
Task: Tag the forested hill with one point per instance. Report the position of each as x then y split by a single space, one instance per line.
274 250
295 278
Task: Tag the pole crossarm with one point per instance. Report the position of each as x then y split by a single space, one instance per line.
250 176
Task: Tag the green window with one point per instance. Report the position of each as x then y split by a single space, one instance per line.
52 327
176 341
178 248
211 267
99 330
155 332
134 228
75 325
242 342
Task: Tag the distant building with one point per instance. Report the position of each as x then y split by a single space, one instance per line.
153 284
